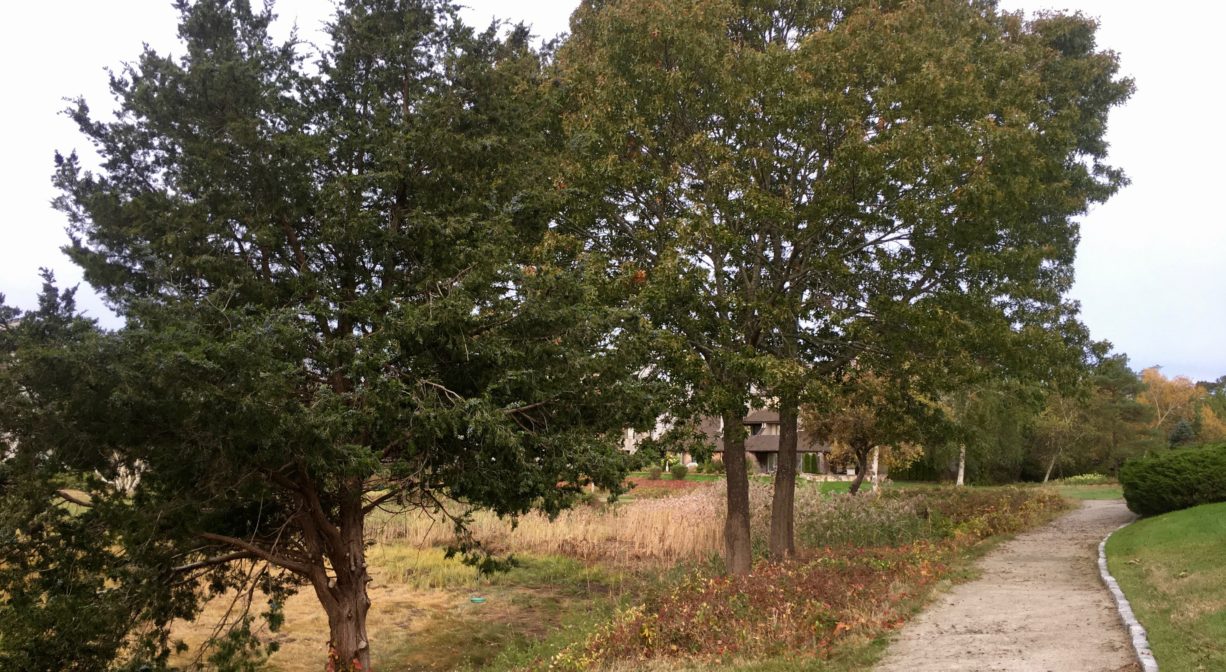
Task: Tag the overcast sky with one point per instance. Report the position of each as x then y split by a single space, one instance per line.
1150 268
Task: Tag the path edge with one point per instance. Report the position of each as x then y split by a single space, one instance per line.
1136 632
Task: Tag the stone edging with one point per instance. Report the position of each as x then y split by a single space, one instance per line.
1140 643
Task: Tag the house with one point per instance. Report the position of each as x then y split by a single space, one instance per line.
761 444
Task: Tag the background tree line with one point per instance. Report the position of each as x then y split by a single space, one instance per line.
1015 431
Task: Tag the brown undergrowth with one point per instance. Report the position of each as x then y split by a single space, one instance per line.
849 589
639 583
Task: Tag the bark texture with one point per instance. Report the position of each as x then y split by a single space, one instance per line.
737 552
783 505
344 595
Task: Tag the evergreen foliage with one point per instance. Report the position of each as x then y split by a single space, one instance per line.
342 292
1174 480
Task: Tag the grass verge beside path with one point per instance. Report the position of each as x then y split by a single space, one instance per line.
1109 491
1170 568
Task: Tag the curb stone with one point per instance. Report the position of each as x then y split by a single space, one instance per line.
1136 632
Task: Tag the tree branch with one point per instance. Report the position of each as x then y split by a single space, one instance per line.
69 497
261 553
219 560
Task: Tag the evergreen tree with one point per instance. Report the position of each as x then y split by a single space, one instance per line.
342 293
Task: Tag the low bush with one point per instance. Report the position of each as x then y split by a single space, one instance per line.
1087 479
1174 480
654 473
717 467
679 472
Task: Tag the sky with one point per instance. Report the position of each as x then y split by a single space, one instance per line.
1151 265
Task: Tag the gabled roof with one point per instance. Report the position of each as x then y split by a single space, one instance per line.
762 416
769 443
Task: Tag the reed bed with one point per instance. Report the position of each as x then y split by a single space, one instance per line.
663 530
685 526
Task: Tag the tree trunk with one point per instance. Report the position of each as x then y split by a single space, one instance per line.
783 516
861 468
875 469
344 595
737 554
961 465
1051 465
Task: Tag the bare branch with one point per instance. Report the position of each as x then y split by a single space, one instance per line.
261 553
211 562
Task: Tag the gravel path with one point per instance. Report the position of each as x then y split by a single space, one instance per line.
1038 606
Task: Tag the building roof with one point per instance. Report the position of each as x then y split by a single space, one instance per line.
769 443
762 416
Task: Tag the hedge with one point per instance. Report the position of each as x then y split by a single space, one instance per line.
1174 480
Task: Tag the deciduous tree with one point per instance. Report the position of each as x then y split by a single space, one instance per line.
805 183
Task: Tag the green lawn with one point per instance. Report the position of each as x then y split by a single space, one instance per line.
1109 491
1171 568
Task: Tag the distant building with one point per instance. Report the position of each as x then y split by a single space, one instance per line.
761 444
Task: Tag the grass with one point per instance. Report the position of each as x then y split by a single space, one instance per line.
866 564
1082 492
422 618
581 574
1171 569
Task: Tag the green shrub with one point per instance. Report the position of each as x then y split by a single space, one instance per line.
654 473
718 467
1087 479
809 463
1175 480
679 472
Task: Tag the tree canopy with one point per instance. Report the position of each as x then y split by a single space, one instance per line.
342 292
441 268
812 183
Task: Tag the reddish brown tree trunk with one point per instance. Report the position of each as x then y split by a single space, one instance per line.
737 552
783 505
343 595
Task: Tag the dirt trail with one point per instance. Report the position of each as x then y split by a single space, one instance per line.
1038 606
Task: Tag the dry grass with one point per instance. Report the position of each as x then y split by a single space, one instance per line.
421 617
664 530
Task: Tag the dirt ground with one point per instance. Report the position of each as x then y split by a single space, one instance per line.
1038 606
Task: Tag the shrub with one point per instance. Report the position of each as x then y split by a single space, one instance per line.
679 472
653 473
718 467
809 463
1087 479
1175 480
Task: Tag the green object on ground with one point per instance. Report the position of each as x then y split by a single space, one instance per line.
1170 568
